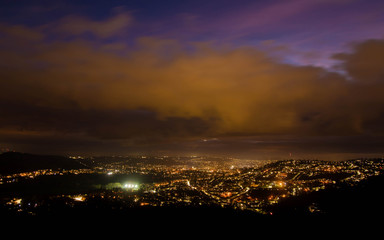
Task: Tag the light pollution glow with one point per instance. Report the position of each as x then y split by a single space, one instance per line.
76 85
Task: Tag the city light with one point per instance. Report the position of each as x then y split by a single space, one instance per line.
132 186
79 198
253 187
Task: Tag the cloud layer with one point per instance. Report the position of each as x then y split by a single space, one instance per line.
56 79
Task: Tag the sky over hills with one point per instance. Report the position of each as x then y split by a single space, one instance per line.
260 79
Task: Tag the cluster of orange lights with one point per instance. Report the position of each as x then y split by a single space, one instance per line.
226 194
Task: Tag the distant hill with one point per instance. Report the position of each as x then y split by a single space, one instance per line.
15 162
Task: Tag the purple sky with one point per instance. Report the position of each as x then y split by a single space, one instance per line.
302 31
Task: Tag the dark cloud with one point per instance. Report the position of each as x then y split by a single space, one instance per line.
366 63
161 90
102 124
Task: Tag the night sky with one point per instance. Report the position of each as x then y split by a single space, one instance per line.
253 79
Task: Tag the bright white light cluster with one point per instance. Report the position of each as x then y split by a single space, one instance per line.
131 186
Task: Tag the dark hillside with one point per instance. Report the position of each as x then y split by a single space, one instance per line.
362 201
15 162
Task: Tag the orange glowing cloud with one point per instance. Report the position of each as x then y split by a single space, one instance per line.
161 89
